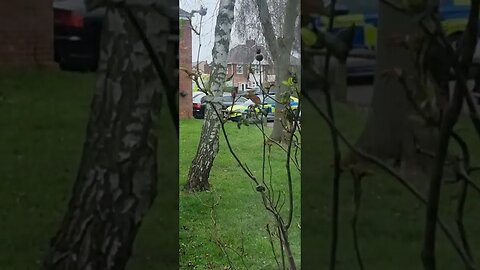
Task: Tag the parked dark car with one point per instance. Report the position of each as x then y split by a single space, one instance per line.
228 100
77 34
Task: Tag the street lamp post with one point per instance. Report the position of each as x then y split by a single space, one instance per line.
259 58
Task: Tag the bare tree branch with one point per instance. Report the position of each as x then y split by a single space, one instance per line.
267 26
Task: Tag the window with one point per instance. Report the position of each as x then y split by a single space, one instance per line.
269 100
228 99
239 69
256 68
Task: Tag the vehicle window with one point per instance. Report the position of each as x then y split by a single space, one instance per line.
355 6
198 97
371 6
240 100
269 100
227 98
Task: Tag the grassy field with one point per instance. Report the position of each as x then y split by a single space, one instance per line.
391 222
240 217
43 118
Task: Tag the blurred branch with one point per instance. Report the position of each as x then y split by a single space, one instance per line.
357 195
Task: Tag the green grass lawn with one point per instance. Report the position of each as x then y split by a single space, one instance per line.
240 216
43 118
391 222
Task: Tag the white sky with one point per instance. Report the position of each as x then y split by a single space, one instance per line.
208 27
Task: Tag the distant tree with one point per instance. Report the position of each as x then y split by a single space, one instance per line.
209 139
394 132
117 176
280 25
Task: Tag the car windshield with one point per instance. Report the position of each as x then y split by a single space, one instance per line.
269 100
238 100
198 97
355 6
371 6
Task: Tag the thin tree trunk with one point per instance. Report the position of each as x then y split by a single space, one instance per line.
208 146
116 181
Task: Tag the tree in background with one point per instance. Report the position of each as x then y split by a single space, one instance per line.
209 139
394 132
117 176
280 30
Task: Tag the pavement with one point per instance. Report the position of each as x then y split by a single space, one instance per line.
361 94
360 90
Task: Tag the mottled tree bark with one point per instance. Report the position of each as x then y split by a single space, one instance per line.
116 181
209 144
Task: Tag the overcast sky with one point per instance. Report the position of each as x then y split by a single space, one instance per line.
208 27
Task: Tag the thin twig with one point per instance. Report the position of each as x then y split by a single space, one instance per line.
216 239
459 218
272 246
336 148
357 195
451 117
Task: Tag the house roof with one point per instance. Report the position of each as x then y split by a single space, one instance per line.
245 54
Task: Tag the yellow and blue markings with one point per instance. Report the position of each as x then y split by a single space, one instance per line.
453 15
236 111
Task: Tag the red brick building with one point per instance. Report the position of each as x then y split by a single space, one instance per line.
203 67
240 58
185 84
26 33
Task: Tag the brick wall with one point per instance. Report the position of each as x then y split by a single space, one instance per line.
185 46
26 33
237 79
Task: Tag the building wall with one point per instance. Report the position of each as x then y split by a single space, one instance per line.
26 33
237 79
203 67
185 84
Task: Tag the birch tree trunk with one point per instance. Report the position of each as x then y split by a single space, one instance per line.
117 177
208 146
